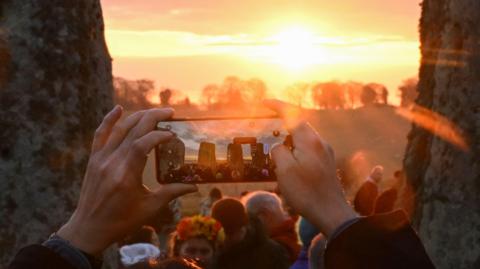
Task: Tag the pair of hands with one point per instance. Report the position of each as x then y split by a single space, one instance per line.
114 202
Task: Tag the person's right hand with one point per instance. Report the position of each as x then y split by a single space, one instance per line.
113 201
307 175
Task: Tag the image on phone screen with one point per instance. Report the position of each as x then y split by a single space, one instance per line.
218 151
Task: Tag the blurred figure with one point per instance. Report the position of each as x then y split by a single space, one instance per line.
246 243
197 238
316 252
307 232
206 205
267 207
367 194
139 247
387 200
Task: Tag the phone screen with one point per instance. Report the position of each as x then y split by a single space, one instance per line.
218 151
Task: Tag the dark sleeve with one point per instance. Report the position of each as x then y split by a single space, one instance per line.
39 257
379 241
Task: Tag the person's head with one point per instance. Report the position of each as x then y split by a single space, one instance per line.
233 217
307 232
146 234
267 207
197 238
377 173
215 194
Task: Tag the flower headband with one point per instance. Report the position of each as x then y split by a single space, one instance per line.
195 226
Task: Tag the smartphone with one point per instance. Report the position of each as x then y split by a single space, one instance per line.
219 150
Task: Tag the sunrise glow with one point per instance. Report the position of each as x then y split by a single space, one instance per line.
296 48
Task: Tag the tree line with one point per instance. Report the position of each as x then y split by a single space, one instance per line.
237 93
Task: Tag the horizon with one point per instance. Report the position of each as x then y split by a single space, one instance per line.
187 45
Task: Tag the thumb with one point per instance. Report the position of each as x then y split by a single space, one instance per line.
166 193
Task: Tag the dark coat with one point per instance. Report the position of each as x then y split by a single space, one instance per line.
386 201
39 257
256 251
365 198
379 241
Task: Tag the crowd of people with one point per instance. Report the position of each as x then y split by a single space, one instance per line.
256 230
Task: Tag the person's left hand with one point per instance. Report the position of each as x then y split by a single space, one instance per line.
113 201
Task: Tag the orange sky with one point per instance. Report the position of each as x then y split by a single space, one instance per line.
187 44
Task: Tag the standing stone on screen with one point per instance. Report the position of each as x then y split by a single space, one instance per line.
55 87
446 178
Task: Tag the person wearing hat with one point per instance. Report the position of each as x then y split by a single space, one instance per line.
246 244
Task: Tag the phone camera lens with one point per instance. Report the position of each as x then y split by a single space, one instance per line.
276 133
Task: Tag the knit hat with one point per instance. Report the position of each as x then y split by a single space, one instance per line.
230 213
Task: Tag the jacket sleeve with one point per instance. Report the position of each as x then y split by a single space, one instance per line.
379 241
40 257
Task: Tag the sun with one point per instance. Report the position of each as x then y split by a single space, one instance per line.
296 48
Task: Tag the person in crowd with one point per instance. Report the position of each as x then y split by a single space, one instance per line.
141 246
367 193
267 207
197 238
113 201
306 232
246 243
169 263
206 205
316 252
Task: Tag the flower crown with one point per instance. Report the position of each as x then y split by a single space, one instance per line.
195 226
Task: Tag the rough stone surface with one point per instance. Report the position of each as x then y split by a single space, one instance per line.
447 179
55 86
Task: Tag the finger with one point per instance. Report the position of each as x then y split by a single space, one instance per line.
149 122
166 193
140 148
121 129
103 131
306 139
284 161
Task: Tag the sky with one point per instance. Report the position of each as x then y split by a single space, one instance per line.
187 44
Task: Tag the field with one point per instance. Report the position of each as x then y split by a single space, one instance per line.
365 136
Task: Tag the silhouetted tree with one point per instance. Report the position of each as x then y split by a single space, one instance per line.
353 90
231 92
165 96
369 95
133 94
209 94
255 91
384 96
296 93
408 92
